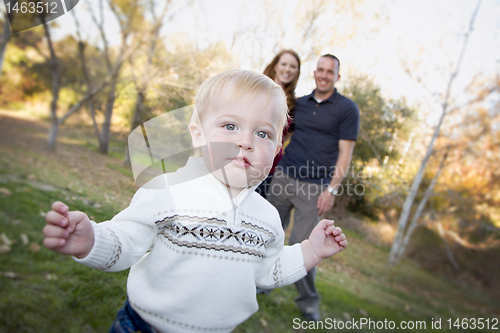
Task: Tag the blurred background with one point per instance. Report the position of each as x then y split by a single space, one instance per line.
421 201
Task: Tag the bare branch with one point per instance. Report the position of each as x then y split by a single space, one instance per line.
100 27
475 100
461 56
451 258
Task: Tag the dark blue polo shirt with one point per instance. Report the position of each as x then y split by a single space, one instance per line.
314 148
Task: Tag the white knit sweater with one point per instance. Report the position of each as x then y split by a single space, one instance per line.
196 255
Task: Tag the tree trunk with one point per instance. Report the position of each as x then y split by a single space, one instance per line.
5 39
108 113
54 128
410 198
136 120
416 215
56 82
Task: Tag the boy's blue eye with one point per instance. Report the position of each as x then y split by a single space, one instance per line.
262 134
230 127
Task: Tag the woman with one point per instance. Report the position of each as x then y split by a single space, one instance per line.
284 69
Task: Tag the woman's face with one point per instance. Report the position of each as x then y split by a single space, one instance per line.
286 69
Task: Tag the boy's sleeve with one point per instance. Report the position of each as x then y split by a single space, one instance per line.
122 241
282 266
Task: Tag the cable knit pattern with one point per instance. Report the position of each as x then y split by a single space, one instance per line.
196 254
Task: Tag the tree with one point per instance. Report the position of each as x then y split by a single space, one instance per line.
5 40
469 196
141 82
383 123
404 230
129 16
308 27
134 33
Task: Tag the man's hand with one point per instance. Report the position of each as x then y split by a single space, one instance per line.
325 202
68 232
325 240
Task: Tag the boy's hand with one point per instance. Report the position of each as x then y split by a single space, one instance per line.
325 240
68 232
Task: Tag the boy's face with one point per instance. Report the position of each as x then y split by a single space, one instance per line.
239 140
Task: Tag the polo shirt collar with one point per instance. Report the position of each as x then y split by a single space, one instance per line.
331 99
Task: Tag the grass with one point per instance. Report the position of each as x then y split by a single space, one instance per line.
42 291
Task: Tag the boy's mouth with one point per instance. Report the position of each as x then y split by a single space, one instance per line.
242 161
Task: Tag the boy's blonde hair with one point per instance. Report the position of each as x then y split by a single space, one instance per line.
233 85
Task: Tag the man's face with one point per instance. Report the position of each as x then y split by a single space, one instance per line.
326 74
240 140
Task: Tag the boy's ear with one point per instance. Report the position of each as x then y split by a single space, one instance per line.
197 136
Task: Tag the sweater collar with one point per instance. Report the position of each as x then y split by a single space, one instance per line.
196 170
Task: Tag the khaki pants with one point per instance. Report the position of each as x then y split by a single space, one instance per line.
286 193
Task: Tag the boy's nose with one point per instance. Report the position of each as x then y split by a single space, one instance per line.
245 142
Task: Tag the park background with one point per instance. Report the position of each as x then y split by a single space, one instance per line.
421 208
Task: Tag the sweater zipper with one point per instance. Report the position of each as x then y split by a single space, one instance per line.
235 213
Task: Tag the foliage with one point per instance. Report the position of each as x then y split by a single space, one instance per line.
467 198
18 82
28 77
379 171
178 68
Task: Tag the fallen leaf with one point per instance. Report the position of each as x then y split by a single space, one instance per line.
10 275
24 239
364 313
263 322
42 214
4 249
5 239
34 247
5 191
51 277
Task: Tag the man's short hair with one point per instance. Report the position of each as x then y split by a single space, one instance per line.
331 56
233 85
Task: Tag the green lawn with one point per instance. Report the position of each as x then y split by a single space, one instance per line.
41 291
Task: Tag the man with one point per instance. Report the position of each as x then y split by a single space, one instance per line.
314 164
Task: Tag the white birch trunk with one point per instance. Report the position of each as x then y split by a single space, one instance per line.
410 198
413 224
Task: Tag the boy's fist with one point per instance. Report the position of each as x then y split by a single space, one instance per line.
325 240
68 232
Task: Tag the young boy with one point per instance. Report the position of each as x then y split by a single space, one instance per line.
198 249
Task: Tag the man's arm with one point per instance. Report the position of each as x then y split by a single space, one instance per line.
326 200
